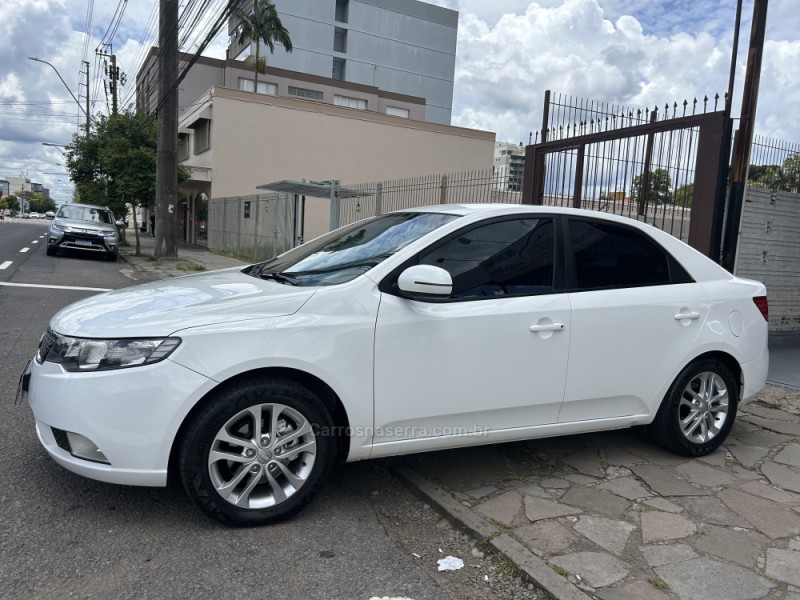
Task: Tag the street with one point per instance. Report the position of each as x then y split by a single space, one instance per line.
63 535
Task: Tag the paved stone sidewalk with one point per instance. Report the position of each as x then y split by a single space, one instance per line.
619 518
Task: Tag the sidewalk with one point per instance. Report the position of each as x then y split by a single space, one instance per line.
611 515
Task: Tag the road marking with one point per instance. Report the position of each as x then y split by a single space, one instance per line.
24 249
35 242
54 287
6 264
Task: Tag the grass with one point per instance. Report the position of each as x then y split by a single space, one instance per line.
190 267
658 583
562 571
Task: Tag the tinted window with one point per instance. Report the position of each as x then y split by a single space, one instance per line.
503 258
610 256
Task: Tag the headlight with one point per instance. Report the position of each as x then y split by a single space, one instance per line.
109 234
79 354
58 227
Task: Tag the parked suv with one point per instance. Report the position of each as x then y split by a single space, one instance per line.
83 227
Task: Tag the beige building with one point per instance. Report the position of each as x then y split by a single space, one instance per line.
235 141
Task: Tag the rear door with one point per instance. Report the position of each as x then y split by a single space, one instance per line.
635 314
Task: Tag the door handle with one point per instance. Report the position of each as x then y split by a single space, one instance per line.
551 327
687 315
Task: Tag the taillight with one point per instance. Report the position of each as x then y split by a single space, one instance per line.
763 306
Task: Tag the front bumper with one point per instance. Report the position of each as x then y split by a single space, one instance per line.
91 242
131 415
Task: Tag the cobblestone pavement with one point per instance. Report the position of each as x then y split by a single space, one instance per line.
619 518
611 515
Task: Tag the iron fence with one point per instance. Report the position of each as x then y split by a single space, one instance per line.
259 226
469 187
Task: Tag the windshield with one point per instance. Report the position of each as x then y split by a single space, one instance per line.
345 254
85 213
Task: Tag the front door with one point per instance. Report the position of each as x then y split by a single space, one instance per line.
493 357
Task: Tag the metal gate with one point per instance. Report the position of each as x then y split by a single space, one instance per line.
665 167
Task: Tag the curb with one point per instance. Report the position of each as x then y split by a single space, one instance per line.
538 571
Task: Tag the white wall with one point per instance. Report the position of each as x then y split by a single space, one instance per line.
769 250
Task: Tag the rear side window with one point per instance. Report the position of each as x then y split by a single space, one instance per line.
613 256
504 258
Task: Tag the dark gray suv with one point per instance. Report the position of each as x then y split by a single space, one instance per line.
83 227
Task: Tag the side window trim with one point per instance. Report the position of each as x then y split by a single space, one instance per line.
388 284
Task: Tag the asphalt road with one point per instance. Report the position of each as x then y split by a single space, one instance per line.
65 536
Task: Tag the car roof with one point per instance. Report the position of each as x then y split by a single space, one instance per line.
490 209
83 205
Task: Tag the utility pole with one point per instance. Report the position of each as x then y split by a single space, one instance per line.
114 81
167 150
744 136
86 62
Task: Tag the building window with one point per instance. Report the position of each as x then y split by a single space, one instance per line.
350 102
339 39
270 89
202 135
183 146
342 10
397 112
305 93
338 69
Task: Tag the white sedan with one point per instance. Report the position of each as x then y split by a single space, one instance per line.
430 328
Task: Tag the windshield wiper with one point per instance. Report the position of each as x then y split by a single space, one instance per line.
279 277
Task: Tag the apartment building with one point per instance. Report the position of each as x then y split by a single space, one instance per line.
404 47
509 166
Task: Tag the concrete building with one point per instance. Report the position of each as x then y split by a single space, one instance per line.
236 74
259 138
5 188
509 166
405 47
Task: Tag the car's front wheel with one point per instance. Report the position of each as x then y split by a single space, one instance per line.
698 411
257 451
52 251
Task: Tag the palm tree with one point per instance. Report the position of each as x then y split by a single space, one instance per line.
262 24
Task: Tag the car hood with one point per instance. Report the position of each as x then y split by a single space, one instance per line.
76 224
164 307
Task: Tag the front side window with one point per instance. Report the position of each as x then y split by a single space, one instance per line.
344 254
505 258
612 256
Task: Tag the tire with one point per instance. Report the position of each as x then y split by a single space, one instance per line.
112 256
699 409
52 251
238 471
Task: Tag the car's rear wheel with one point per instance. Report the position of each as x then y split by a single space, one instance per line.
698 411
257 452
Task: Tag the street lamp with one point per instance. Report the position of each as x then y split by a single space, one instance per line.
85 111
62 81
57 146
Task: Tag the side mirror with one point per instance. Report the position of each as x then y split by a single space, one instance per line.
425 280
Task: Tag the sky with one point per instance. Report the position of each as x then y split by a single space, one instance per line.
636 53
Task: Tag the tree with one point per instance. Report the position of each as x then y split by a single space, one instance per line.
659 186
784 177
10 202
683 195
115 165
262 24
36 201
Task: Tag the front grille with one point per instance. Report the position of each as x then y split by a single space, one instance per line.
45 345
61 439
